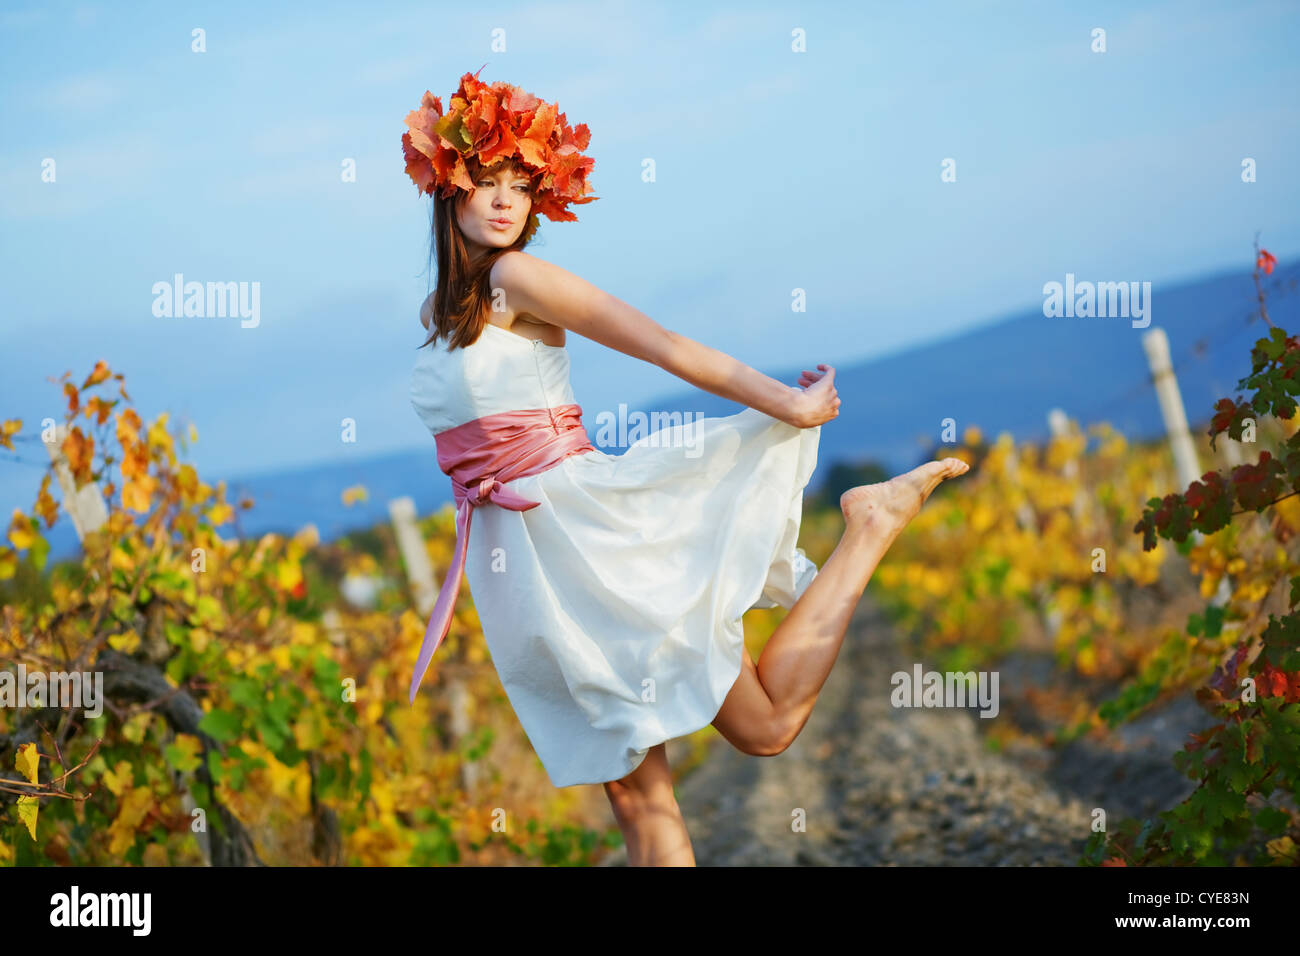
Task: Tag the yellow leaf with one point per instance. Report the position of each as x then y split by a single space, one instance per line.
194 434
8 428
21 533
135 804
155 854
280 655
190 748
137 492
199 639
308 536
28 762
27 810
98 374
158 437
119 778
220 513
8 563
307 732
1282 849
355 493
120 560
135 729
126 642
288 575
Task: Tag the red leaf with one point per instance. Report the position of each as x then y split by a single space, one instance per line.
1271 681
1266 261
1252 746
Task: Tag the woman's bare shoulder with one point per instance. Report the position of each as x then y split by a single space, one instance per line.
518 268
539 287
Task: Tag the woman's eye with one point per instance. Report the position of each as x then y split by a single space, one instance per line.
488 182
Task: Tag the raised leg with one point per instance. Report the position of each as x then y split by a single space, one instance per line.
647 813
772 700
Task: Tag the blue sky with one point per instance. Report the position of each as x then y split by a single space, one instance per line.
776 170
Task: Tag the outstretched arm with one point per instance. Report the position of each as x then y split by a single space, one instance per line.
561 298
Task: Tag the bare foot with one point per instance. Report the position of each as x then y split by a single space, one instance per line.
887 506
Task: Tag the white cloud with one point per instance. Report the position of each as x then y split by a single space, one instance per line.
87 176
395 70
301 136
89 91
276 183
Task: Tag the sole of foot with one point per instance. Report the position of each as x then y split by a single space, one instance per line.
890 505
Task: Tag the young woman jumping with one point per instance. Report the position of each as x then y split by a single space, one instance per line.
610 588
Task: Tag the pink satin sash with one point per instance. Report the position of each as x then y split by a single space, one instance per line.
481 457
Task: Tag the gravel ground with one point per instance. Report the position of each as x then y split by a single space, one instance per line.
882 786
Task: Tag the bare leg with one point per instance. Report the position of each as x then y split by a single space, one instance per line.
771 701
647 813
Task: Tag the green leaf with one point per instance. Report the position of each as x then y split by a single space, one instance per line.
1214 621
247 693
1272 820
271 734
221 725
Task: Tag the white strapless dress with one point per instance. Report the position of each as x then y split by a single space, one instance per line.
612 611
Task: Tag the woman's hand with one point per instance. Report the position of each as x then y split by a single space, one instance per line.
817 403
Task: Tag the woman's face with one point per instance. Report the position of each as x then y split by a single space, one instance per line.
495 213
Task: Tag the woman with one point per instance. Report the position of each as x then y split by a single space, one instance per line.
611 587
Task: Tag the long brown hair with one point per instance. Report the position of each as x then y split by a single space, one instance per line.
463 297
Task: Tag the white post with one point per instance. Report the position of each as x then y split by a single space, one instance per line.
420 574
1156 344
1024 514
1029 522
411 545
88 511
85 506
1059 424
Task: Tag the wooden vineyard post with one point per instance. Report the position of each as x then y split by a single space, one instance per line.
85 505
1027 518
88 511
419 573
1059 425
1156 344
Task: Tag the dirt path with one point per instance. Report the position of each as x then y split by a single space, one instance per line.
877 785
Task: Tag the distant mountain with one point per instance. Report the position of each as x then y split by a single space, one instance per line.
1000 377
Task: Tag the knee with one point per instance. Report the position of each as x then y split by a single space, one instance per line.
631 803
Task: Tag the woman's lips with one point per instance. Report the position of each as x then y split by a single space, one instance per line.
499 224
